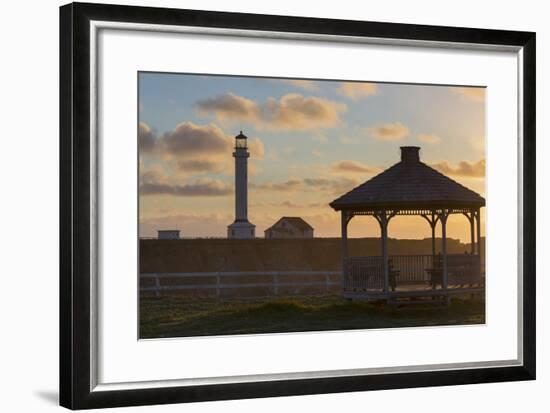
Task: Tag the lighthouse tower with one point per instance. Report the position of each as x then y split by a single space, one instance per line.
241 228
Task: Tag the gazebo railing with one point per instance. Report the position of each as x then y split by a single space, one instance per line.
412 269
363 273
367 273
464 269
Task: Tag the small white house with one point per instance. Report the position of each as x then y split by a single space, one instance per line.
289 227
168 234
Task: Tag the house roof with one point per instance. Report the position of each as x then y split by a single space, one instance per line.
296 222
409 184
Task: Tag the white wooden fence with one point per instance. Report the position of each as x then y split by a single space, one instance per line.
217 281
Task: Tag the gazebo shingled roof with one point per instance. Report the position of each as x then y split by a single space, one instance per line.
409 184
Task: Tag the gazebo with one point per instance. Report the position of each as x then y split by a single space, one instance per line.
411 187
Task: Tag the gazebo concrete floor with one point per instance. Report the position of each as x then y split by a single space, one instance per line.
413 290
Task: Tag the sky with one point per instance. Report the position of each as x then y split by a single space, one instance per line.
310 141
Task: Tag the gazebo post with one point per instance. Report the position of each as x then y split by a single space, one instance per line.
443 217
345 217
384 227
478 225
478 230
433 224
471 218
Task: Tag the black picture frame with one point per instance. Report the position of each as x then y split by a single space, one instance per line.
75 220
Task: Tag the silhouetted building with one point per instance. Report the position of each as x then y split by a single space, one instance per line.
168 234
289 227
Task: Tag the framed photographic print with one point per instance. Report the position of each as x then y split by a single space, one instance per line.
258 206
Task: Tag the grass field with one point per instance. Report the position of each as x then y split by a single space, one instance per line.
173 316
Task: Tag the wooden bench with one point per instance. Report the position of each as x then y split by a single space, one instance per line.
436 276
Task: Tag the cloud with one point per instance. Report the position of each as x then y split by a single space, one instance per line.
388 131
256 148
308 85
463 169
288 204
295 205
208 188
317 181
189 140
357 90
230 107
433 139
152 175
349 166
154 181
286 186
146 138
253 169
200 166
476 94
478 143
195 149
331 186
291 112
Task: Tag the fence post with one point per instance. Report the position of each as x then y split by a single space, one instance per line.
157 286
345 218
218 285
275 283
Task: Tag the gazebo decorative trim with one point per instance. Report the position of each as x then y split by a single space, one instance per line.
411 187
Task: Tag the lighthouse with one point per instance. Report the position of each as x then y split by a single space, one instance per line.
241 228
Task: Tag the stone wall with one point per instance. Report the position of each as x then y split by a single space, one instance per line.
317 254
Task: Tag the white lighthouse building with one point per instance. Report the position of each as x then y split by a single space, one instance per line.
241 228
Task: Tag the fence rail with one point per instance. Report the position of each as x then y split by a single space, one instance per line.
359 274
217 281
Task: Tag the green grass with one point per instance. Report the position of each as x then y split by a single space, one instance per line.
173 316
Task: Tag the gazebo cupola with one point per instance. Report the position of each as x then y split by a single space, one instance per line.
410 154
410 187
